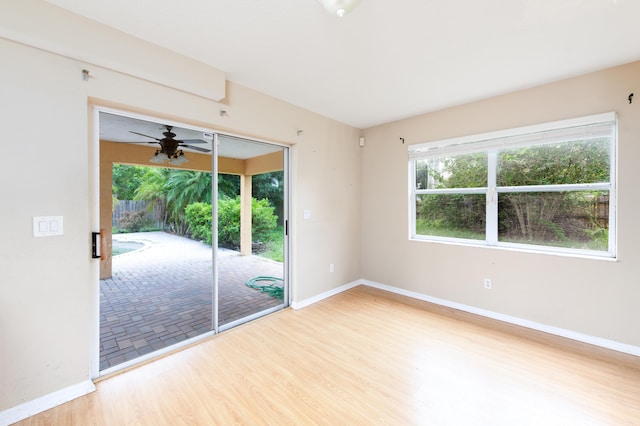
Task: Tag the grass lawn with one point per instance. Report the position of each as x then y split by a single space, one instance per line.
275 246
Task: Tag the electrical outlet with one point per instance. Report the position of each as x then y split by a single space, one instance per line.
331 267
487 283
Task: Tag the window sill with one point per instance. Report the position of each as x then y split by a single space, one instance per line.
516 248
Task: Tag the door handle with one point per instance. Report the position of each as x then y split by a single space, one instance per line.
95 244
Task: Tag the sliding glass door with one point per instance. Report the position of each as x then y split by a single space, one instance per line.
195 242
251 229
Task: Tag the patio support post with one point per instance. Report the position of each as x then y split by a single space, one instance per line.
106 207
245 215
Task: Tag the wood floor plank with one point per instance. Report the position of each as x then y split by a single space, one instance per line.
367 357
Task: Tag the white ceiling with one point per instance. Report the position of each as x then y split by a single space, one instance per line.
386 60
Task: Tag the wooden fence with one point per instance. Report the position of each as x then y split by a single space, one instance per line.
154 217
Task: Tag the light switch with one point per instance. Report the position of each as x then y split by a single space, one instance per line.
47 226
307 214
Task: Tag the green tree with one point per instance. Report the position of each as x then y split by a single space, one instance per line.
555 164
266 185
548 216
185 187
539 216
228 186
439 214
263 221
153 190
270 186
114 199
126 179
174 191
171 191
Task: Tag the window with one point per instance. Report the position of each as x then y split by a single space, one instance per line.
547 187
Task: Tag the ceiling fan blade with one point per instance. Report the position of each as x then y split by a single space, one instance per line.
192 141
195 148
140 142
146 136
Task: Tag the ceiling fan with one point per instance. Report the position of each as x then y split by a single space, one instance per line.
170 148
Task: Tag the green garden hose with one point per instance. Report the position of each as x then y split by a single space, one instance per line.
271 289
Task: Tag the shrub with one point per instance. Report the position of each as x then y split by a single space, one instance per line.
133 221
229 222
263 221
198 218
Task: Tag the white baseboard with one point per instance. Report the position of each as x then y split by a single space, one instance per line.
326 294
569 334
38 405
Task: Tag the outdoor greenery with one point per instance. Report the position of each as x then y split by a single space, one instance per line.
133 221
570 218
126 179
267 185
171 191
275 245
198 216
263 221
183 198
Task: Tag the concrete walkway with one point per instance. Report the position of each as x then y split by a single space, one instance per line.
162 294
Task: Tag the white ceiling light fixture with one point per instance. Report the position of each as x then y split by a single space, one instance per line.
174 159
338 7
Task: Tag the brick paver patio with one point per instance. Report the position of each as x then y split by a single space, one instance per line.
162 294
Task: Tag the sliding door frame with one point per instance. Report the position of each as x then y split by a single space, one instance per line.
286 153
95 165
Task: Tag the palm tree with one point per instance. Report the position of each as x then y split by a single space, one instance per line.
153 189
185 187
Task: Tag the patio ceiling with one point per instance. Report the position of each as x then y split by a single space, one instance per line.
118 128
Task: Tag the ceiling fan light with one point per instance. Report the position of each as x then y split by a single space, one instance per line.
338 7
159 158
178 159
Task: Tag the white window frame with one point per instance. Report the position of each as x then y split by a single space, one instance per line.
592 126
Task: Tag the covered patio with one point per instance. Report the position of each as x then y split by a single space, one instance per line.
161 294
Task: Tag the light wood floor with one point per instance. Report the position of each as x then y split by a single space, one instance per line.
367 357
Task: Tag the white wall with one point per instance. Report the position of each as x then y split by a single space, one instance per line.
595 297
45 282
48 286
